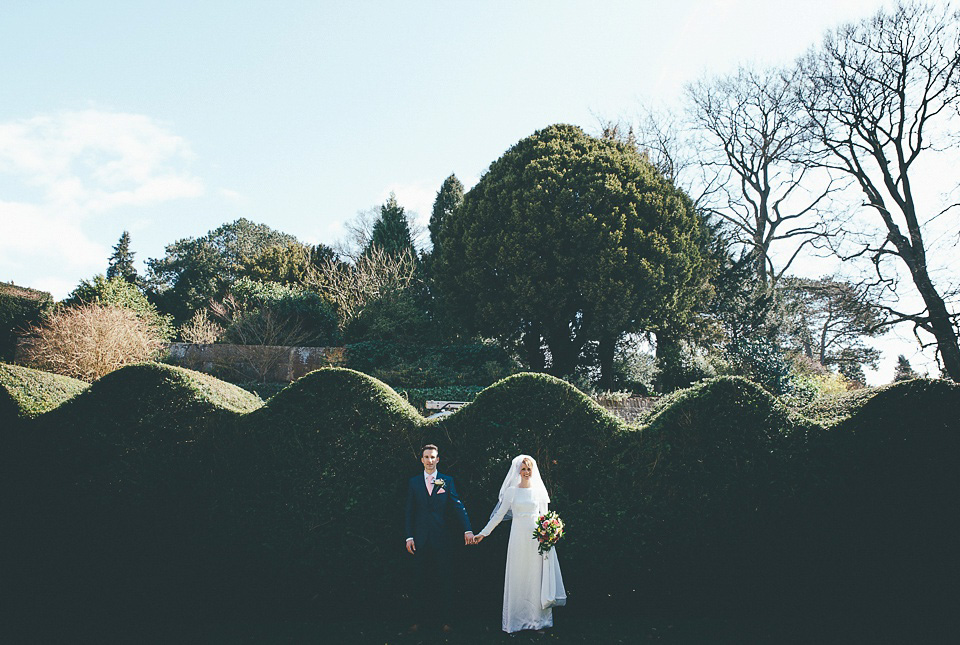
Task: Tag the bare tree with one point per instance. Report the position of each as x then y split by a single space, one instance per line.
352 286
753 136
878 94
201 329
262 336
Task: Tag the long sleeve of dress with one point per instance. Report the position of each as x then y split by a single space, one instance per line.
502 509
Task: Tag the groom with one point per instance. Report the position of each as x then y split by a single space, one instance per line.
431 496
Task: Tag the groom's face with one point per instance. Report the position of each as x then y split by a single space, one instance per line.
430 458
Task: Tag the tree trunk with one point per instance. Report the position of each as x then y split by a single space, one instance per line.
667 350
533 349
606 350
941 327
940 324
564 350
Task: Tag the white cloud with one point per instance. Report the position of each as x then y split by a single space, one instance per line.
233 196
77 166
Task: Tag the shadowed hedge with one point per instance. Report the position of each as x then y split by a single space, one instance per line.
157 480
311 499
120 477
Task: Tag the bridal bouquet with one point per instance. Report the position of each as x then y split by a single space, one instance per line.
548 531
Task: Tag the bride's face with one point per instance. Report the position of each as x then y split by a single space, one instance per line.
526 470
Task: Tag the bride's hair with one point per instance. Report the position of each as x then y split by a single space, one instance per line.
512 480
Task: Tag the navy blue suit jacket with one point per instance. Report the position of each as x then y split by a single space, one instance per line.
427 514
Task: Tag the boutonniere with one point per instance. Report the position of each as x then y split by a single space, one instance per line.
439 483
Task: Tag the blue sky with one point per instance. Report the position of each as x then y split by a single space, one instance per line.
171 118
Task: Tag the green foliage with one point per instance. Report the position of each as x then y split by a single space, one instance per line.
165 482
121 262
395 316
308 505
118 292
194 270
20 308
292 264
27 393
449 198
570 238
829 319
412 365
760 360
391 231
679 365
293 308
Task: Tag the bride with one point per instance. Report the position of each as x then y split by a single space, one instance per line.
532 585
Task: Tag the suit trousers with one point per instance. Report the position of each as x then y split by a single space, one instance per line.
433 585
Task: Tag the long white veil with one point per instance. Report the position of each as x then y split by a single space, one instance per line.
513 480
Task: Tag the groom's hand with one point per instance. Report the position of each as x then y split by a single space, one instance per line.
468 538
411 547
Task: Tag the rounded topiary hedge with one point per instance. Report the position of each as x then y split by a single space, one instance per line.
121 478
311 499
156 480
27 393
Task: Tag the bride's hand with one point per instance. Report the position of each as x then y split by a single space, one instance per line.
477 539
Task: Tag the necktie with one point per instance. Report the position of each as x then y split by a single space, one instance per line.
430 484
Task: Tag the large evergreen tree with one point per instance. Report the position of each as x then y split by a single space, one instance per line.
391 231
121 262
569 239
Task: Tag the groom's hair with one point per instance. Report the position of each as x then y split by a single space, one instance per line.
428 446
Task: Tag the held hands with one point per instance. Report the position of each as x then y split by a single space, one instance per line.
468 539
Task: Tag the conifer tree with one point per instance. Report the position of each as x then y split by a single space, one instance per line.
449 197
121 262
903 370
391 231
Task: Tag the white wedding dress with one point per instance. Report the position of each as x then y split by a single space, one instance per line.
532 584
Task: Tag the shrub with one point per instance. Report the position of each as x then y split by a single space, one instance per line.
352 287
761 361
200 329
20 308
118 292
89 341
268 313
393 316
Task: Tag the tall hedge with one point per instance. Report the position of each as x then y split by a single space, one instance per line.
161 491
120 481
